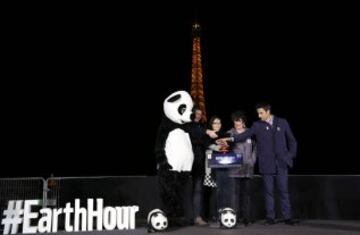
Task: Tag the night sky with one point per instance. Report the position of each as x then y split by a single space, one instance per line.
87 82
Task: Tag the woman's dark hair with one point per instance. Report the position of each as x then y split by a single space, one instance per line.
212 119
238 115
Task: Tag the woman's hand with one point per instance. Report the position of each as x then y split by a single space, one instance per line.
211 134
223 141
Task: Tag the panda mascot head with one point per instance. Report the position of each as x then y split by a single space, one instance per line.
157 221
227 218
178 107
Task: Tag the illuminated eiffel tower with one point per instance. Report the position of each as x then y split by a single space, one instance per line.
197 87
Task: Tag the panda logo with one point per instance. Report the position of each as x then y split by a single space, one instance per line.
178 148
227 217
157 221
178 107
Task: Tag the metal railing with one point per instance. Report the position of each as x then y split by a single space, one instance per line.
21 189
314 196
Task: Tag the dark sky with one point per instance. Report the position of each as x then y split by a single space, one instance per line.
88 82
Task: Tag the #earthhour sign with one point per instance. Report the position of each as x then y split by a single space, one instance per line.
93 217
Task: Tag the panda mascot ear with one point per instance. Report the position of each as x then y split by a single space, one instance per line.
178 107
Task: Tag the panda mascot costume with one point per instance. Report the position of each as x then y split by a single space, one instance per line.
174 155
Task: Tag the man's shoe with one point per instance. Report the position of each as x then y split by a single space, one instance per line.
178 222
199 221
291 222
214 223
269 221
247 222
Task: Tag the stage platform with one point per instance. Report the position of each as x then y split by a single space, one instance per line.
307 227
324 204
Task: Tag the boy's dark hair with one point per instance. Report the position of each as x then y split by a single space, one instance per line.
238 115
263 105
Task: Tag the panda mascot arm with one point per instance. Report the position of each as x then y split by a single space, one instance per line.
160 155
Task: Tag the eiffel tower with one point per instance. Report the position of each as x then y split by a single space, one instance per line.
197 87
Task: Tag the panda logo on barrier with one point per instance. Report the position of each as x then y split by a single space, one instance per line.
227 218
157 221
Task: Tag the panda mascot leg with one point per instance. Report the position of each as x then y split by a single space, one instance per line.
172 185
168 193
174 155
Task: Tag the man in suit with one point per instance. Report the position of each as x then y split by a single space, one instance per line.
277 147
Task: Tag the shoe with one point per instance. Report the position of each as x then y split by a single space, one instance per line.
247 222
214 223
177 222
269 221
199 222
291 222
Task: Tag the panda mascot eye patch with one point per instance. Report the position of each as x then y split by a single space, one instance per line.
157 221
182 109
227 218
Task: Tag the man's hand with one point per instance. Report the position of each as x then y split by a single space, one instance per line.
211 133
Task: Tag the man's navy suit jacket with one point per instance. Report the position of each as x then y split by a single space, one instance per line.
276 144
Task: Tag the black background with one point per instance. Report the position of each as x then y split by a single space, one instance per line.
86 83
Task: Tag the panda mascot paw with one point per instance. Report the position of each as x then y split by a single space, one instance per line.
165 166
227 218
156 221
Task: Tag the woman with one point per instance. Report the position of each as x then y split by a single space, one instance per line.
223 183
241 175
